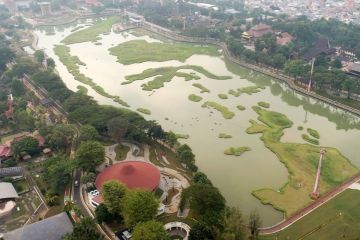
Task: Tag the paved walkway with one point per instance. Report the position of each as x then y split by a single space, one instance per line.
355 186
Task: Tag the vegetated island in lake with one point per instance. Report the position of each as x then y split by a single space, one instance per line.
241 107
236 151
91 34
72 64
222 96
182 136
301 161
247 90
194 98
144 111
201 87
139 51
313 133
309 139
224 135
166 74
264 104
226 113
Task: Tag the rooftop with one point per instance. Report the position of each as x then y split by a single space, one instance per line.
52 228
7 191
133 174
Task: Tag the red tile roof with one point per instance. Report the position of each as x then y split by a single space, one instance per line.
133 174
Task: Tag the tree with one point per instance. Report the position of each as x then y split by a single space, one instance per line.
201 178
88 178
156 131
17 88
57 173
61 136
254 224
279 60
50 63
29 145
6 55
233 225
206 201
89 155
201 231
349 85
171 138
102 214
88 133
139 206
296 68
24 120
150 230
85 230
117 128
113 193
51 198
39 56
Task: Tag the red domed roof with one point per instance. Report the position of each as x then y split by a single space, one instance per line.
133 174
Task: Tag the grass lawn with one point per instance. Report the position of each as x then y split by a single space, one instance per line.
226 113
138 51
144 111
21 185
172 158
301 161
194 98
236 151
166 218
166 74
326 222
91 33
121 152
201 87
72 64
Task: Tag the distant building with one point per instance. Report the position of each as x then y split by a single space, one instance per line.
52 228
11 172
284 39
353 69
8 195
45 8
321 46
260 30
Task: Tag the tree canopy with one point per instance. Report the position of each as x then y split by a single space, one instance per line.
151 230
89 155
85 230
206 201
57 173
113 193
139 206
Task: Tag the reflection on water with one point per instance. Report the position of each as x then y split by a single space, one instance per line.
236 177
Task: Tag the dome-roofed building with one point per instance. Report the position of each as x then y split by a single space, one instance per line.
133 174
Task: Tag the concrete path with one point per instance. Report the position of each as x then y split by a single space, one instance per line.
355 186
